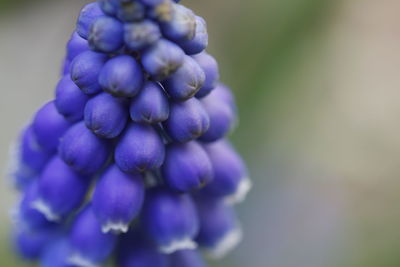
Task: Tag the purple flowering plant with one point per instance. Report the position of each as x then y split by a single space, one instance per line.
130 164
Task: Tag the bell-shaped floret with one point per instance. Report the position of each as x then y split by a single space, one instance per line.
139 149
187 167
83 150
170 219
117 199
106 115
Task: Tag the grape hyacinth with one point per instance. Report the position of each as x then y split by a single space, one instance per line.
130 164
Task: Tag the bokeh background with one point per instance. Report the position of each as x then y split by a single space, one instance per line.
318 88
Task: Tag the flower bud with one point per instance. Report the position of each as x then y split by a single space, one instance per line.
199 41
170 219
31 244
224 94
23 177
187 121
182 25
150 105
136 250
117 199
210 67
88 15
28 216
121 76
186 258
70 100
106 115
131 10
90 246
84 151
106 35
56 254
140 35
230 174
152 3
186 167
219 229
60 190
222 118
186 81
65 68
139 149
32 158
109 7
48 126
85 70
159 10
162 59
75 46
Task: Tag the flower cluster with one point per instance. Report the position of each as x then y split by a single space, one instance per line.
130 161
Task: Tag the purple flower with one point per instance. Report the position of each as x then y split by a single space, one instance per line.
88 15
150 105
31 244
31 157
85 70
230 174
106 34
75 46
117 199
106 115
222 117
186 167
170 219
199 41
121 76
136 250
70 100
210 68
130 10
109 7
186 81
60 190
129 159
186 258
187 121
224 94
162 59
182 25
152 2
29 217
220 231
56 254
89 245
49 126
139 149
83 150
139 35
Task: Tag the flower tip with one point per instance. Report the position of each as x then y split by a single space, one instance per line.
115 228
227 244
78 260
182 244
46 210
241 192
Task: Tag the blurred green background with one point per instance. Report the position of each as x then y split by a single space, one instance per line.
318 88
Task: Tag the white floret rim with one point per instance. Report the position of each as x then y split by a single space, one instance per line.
230 241
181 244
78 260
115 227
46 210
241 192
